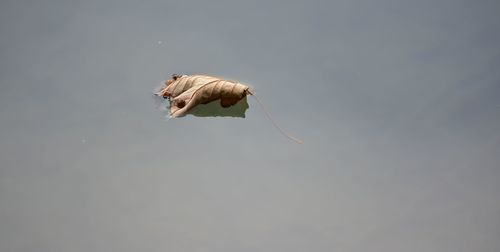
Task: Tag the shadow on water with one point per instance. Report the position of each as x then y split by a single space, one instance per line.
212 109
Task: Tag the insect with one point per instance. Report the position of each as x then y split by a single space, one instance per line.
184 92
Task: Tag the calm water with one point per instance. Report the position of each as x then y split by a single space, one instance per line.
398 103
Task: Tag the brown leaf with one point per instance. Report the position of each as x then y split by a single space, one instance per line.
185 92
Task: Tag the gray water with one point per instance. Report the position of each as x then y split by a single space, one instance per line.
397 102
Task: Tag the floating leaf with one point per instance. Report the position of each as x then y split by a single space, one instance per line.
185 93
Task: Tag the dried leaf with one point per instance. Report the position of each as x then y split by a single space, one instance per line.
185 92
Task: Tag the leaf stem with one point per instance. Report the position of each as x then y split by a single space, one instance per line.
272 120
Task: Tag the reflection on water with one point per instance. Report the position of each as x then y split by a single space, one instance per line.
215 109
212 109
